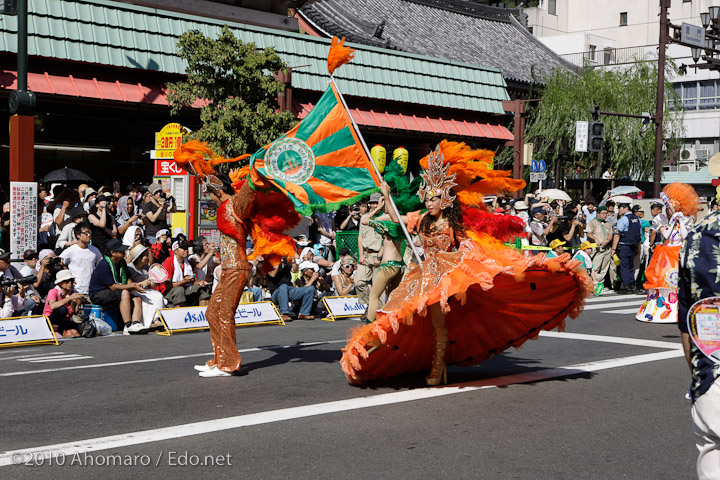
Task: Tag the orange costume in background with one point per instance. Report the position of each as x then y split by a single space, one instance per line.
492 297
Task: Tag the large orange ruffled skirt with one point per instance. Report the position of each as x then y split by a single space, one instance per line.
494 297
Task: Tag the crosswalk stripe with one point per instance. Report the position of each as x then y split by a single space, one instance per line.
622 312
611 298
61 356
57 359
605 306
36 355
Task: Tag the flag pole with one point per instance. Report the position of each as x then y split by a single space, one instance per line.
409 239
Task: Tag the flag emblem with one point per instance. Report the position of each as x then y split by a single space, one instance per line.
290 160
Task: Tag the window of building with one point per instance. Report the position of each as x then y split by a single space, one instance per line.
707 95
593 50
552 7
623 19
689 96
530 29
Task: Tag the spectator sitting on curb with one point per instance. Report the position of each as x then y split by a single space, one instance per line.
128 215
82 258
556 248
310 276
139 272
110 287
282 291
181 289
14 302
584 255
133 236
344 283
102 222
62 302
67 236
30 261
47 269
160 249
156 211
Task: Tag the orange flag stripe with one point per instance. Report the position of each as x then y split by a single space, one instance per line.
335 121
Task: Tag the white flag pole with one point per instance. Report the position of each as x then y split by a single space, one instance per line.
409 239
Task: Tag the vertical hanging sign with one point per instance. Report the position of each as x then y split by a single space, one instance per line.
23 217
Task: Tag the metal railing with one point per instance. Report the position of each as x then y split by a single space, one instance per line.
612 56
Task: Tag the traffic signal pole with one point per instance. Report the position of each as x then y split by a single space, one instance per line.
664 32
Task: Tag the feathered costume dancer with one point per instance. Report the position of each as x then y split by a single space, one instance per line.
661 274
241 210
472 297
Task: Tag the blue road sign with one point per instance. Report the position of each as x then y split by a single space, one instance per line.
534 166
541 167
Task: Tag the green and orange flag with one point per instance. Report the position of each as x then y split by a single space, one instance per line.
321 163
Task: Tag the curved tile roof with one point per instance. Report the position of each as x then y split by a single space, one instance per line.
454 29
124 35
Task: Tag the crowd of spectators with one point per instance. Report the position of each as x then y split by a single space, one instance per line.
96 247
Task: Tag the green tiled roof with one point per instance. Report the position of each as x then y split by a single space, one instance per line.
701 177
124 35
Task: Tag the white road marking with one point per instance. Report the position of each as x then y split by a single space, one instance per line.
210 426
596 306
17 357
612 298
607 339
160 359
49 356
623 311
57 359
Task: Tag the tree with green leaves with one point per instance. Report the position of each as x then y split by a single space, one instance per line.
234 82
629 143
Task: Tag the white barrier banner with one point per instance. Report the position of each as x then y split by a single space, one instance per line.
26 330
341 307
193 318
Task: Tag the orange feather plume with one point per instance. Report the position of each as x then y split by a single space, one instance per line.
201 157
685 195
339 54
474 177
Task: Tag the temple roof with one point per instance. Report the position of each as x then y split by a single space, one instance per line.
457 30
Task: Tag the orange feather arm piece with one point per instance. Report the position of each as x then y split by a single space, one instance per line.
201 157
339 54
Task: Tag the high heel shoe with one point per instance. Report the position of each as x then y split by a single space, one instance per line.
437 377
438 371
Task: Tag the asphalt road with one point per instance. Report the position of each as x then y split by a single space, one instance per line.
605 400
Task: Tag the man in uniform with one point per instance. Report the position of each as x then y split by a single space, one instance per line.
369 248
626 243
599 231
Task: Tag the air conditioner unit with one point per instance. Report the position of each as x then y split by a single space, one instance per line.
685 154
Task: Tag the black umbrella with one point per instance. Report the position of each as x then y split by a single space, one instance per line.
66 175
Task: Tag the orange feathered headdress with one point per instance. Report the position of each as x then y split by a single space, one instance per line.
473 176
683 197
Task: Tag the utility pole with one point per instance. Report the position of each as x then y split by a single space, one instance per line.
664 31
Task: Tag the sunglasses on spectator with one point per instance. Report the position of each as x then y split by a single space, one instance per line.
86 232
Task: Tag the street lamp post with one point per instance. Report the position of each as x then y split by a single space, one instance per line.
711 25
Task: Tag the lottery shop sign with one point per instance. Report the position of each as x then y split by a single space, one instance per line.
167 168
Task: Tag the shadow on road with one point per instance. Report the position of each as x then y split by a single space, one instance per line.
297 352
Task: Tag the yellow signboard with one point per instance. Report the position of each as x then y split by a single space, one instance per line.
169 137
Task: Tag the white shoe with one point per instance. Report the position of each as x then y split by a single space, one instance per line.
135 327
203 368
214 372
